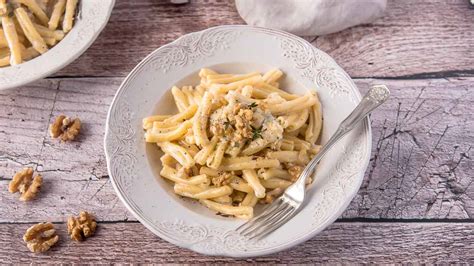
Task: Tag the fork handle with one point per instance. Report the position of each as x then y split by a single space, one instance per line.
376 95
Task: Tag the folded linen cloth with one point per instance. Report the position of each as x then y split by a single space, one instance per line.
310 17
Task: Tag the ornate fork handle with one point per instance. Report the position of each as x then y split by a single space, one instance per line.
375 96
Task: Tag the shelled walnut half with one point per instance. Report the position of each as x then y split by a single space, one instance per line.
40 237
65 128
24 183
82 226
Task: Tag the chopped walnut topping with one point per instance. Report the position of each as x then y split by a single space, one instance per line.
221 179
217 180
237 107
246 114
24 183
243 119
81 227
65 128
234 122
270 196
40 237
295 171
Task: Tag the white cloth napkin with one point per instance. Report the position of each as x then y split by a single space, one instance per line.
310 17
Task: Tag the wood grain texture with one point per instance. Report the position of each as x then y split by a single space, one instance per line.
75 173
414 38
341 243
421 165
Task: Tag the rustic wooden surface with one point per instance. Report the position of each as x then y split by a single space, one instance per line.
416 38
342 242
417 200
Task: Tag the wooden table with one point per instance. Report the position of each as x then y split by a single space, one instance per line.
417 200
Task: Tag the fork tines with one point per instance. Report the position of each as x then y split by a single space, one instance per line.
279 212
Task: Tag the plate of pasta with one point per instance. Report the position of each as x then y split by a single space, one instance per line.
210 128
238 139
39 37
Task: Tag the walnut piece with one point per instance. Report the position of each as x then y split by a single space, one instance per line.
243 119
81 227
65 128
295 172
24 183
272 195
221 179
40 237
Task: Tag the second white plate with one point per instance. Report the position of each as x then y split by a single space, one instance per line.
91 19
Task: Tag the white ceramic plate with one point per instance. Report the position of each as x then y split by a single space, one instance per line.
91 19
134 165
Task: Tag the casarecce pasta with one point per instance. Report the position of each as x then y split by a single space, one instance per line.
238 139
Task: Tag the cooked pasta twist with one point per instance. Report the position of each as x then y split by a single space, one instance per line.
236 140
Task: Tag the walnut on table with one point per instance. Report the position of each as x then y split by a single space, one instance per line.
65 128
81 227
24 183
40 237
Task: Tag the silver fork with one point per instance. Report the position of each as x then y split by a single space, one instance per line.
287 205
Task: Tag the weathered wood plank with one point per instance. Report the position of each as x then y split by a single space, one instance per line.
75 174
341 243
416 171
421 165
414 37
24 119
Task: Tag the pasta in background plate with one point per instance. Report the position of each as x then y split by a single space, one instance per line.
31 27
237 139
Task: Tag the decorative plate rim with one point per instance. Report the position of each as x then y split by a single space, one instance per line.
149 224
72 38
